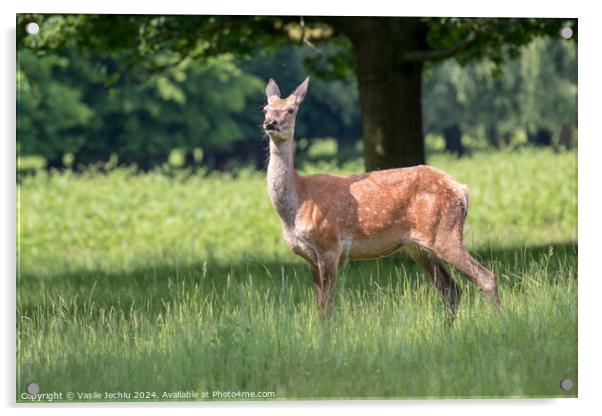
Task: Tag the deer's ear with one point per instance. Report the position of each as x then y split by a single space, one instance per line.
301 90
272 89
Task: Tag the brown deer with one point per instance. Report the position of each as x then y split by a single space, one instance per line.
326 218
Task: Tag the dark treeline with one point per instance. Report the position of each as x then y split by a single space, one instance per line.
77 108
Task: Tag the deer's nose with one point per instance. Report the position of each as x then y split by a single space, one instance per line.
270 124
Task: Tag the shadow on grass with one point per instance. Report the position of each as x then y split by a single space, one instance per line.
152 287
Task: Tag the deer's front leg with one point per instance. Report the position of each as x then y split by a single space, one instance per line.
325 276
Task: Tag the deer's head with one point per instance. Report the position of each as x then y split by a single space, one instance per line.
280 113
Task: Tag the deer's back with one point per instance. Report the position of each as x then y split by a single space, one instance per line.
371 214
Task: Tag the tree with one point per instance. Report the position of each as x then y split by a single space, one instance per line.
445 104
66 106
548 92
52 115
388 55
534 93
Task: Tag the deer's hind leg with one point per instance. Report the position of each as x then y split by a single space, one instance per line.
449 289
454 253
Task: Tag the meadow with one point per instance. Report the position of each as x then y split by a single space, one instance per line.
175 281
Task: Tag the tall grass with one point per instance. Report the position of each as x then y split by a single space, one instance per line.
154 283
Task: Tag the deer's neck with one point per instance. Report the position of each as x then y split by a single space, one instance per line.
282 180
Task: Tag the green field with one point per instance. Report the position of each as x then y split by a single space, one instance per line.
180 282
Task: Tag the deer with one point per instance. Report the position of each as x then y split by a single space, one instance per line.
328 218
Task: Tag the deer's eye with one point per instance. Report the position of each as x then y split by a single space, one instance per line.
264 110
291 110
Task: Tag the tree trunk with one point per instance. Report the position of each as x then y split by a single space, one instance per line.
542 137
495 138
453 139
345 149
389 87
55 162
565 136
189 160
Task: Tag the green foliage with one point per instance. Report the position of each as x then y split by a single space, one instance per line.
70 108
52 115
141 119
548 93
536 90
215 105
132 282
154 42
94 86
159 41
496 39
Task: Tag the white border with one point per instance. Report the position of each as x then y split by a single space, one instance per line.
464 8
590 70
